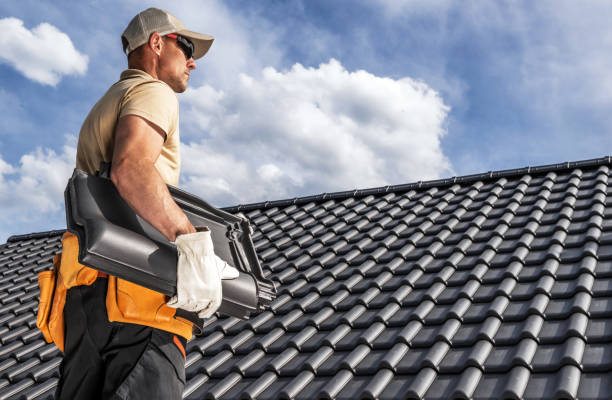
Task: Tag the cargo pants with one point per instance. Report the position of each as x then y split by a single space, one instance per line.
111 360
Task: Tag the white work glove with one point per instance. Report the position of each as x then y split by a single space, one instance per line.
199 272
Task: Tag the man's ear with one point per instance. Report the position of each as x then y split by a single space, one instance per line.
156 43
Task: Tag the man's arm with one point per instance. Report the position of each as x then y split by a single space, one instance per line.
138 143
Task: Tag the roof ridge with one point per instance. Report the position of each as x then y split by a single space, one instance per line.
36 235
607 160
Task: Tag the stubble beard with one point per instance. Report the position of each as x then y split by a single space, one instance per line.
178 85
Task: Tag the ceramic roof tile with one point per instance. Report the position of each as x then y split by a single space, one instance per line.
477 287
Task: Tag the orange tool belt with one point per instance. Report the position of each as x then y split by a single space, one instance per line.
125 301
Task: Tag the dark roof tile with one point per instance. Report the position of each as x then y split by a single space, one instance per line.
473 287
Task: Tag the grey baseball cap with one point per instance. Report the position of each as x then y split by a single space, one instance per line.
152 20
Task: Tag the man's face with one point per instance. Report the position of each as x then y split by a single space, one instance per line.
174 67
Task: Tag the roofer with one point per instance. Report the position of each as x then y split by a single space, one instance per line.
121 340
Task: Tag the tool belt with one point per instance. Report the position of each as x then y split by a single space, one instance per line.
125 301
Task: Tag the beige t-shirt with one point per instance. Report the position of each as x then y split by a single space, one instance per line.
136 93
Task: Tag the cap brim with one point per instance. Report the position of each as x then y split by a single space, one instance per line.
201 42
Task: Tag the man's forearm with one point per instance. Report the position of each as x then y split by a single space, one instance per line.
141 186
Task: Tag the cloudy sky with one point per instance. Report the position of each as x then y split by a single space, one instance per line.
303 97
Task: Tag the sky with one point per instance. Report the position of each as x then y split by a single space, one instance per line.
302 97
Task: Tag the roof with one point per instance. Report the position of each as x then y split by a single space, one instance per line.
486 286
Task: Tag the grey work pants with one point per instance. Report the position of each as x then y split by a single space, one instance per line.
108 360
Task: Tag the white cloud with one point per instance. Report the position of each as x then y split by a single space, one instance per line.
32 195
310 130
42 54
531 75
544 51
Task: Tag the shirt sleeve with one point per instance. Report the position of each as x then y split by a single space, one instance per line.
155 102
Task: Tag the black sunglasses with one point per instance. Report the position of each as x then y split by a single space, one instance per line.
184 43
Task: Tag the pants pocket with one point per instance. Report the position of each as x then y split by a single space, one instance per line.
167 344
159 373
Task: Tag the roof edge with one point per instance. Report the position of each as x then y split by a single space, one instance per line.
37 235
607 160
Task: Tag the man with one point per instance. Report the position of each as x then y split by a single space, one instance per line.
123 341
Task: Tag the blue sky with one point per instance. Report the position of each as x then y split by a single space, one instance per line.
302 97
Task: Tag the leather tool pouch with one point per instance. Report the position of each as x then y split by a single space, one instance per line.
54 284
132 303
46 283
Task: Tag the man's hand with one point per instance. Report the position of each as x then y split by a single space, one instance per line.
138 144
199 272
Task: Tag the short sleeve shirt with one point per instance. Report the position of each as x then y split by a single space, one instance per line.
136 93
